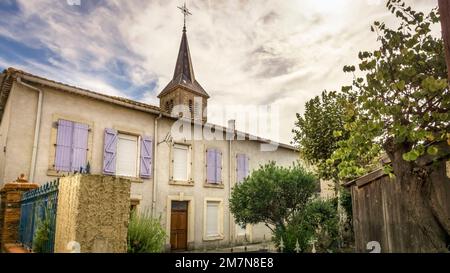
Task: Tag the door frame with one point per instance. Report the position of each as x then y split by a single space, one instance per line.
190 216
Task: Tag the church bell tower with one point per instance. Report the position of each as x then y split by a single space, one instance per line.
183 91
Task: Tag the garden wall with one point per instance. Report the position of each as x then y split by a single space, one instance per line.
93 210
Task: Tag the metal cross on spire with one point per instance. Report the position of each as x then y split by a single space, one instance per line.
186 13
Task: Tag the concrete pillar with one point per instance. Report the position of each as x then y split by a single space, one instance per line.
10 195
93 213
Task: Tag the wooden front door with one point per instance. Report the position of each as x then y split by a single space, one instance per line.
178 225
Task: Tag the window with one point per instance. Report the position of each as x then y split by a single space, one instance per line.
180 162
191 110
242 167
122 156
167 107
171 106
213 166
71 146
213 219
127 156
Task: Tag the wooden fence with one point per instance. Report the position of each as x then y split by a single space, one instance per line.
379 211
37 206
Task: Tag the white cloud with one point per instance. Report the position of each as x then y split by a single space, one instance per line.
244 51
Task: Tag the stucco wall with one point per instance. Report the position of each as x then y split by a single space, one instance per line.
58 103
4 127
23 103
198 192
94 211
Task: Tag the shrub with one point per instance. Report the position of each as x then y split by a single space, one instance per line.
272 194
42 234
319 221
145 234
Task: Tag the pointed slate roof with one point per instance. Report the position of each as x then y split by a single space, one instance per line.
184 72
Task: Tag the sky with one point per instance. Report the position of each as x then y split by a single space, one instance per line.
245 52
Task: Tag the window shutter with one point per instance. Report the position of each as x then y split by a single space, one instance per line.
218 167
146 157
246 166
109 153
180 162
212 218
127 155
242 167
80 146
210 166
63 155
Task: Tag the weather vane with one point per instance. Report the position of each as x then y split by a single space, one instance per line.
186 13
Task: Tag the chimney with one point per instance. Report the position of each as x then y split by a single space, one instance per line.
231 128
232 124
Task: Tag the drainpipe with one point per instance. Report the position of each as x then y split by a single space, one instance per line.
36 127
231 128
155 162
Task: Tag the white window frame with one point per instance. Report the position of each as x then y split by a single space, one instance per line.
188 163
220 220
138 153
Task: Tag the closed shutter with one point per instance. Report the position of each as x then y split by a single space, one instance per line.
246 166
146 157
211 166
180 162
80 146
127 155
212 218
109 152
240 168
218 167
64 137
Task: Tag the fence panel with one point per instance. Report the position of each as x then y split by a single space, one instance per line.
38 207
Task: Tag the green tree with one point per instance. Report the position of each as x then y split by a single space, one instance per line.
318 222
317 134
318 131
402 108
272 195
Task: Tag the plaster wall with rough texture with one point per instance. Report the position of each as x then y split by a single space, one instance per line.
93 210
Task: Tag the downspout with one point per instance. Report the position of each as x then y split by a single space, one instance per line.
232 128
37 127
155 162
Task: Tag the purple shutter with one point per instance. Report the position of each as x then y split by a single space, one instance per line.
210 166
64 145
109 153
240 167
218 167
246 166
146 157
79 146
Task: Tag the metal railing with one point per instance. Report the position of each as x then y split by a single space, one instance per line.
38 210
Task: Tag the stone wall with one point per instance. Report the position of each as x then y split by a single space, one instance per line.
93 210
10 195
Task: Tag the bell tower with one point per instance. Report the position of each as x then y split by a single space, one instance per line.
184 92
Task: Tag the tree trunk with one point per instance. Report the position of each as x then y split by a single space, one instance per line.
424 228
444 10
